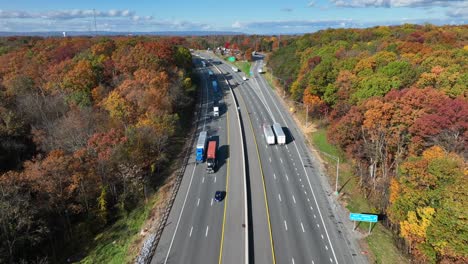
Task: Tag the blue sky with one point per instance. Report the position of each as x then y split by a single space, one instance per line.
256 17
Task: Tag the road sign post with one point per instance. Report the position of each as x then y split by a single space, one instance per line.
363 218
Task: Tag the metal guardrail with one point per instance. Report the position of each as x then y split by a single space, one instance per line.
151 243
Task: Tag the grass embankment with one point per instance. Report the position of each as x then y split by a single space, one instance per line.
113 245
244 66
380 241
121 242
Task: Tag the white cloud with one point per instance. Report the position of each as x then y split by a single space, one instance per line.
65 14
311 4
395 3
237 24
459 11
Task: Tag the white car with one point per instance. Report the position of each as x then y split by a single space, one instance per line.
260 70
244 78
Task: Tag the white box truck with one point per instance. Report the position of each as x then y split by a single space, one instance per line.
215 111
280 136
269 136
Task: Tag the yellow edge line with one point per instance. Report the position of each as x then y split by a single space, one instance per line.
264 189
225 198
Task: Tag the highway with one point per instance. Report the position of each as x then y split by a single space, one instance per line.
305 227
196 227
261 246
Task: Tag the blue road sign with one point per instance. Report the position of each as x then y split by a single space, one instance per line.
363 217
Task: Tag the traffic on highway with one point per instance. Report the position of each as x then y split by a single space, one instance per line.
255 192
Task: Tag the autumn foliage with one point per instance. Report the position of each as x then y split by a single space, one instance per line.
395 100
86 126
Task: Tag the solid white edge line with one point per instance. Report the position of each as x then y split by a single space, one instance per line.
310 185
180 215
191 229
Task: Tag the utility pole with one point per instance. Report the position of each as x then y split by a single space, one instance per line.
337 174
95 26
337 159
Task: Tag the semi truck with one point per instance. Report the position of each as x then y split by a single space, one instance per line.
269 136
201 146
280 136
215 86
211 157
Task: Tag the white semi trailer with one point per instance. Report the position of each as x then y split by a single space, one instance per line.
269 136
280 136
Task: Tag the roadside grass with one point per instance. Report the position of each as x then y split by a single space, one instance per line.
319 138
113 245
382 247
268 78
244 66
380 241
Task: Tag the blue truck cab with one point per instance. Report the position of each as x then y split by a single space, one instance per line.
201 147
215 86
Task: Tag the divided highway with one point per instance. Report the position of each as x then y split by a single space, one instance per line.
304 225
194 230
292 216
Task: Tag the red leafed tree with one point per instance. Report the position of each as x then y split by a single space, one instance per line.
447 126
103 144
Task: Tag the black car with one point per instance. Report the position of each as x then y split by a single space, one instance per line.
219 196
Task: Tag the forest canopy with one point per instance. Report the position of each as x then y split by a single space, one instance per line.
85 129
395 101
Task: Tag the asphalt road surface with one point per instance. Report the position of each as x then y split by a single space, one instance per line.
194 228
305 228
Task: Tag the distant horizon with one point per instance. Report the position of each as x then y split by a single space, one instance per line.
177 32
249 17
